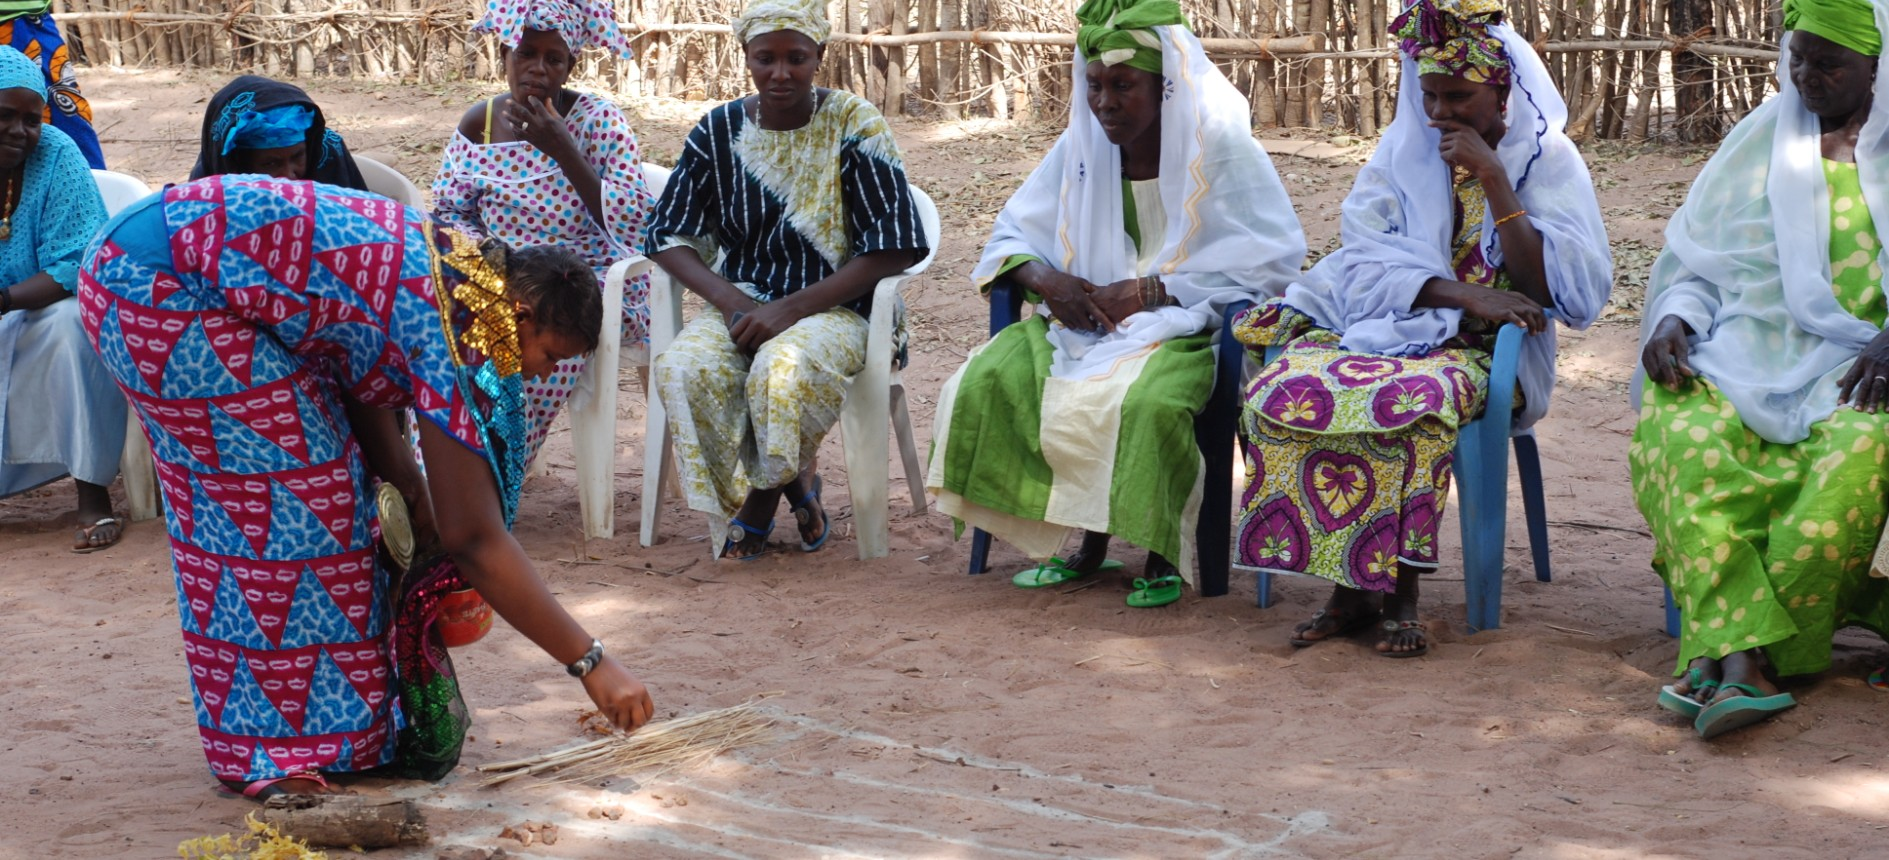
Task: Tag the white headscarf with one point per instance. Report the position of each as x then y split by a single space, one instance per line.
1230 235
1399 219
1747 262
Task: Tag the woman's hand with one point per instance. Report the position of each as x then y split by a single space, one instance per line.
538 123
1463 147
1502 306
622 699
1866 386
1070 299
1664 356
762 324
1120 300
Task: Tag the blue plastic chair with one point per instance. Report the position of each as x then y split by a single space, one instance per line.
1482 489
1214 429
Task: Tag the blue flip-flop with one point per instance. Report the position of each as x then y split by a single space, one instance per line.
803 511
729 543
1740 711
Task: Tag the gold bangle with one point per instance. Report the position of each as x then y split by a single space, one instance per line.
1510 217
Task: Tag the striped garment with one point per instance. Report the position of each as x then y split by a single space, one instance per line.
1027 456
764 198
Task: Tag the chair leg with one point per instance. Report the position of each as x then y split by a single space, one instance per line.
140 472
863 420
1534 505
659 465
1482 489
1265 590
908 449
594 442
980 551
1672 614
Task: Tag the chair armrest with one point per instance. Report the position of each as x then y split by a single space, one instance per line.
1006 304
630 267
1508 355
1233 311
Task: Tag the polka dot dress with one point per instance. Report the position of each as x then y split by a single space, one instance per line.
514 192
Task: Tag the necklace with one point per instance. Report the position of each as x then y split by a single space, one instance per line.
814 99
6 216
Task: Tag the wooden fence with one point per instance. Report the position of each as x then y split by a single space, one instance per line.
1632 69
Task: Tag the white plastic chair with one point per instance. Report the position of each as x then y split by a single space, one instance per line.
593 406
874 398
135 464
387 182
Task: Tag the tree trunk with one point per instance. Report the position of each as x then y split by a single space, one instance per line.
1694 97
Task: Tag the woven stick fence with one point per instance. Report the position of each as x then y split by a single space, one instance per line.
1631 69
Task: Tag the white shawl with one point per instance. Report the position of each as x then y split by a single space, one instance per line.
1230 235
1747 262
1399 219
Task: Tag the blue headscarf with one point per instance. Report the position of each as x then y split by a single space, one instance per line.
16 70
242 126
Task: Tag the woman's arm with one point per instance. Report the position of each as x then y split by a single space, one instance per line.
1482 302
37 291
536 121
390 458
685 265
472 529
854 279
1521 242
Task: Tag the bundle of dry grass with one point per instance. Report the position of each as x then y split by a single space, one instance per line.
658 749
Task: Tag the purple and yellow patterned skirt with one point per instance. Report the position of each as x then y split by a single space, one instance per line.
1348 454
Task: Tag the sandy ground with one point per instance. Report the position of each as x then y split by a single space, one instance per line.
927 713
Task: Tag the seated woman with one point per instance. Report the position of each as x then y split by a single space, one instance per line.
546 165
60 413
800 192
258 125
269 391
1082 417
1758 459
1475 211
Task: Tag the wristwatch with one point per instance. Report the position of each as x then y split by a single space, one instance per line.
587 662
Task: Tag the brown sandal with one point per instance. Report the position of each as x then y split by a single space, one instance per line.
1336 625
1393 627
82 541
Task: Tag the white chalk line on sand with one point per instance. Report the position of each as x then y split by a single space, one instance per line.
1305 822
1232 844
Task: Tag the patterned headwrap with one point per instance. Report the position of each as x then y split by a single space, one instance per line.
17 71
1451 37
1122 31
582 23
242 126
1850 23
761 17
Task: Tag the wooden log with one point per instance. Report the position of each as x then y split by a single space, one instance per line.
342 821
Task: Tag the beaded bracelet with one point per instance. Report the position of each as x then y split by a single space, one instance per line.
1510 217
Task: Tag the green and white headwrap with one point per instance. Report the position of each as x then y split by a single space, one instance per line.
761 17
1850 23
1122 31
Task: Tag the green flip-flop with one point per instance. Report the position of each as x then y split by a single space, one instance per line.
1159 591
1682 704
1052 572
1740 711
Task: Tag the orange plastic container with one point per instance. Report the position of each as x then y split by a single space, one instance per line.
464 618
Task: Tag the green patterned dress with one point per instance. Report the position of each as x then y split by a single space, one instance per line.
1767 545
